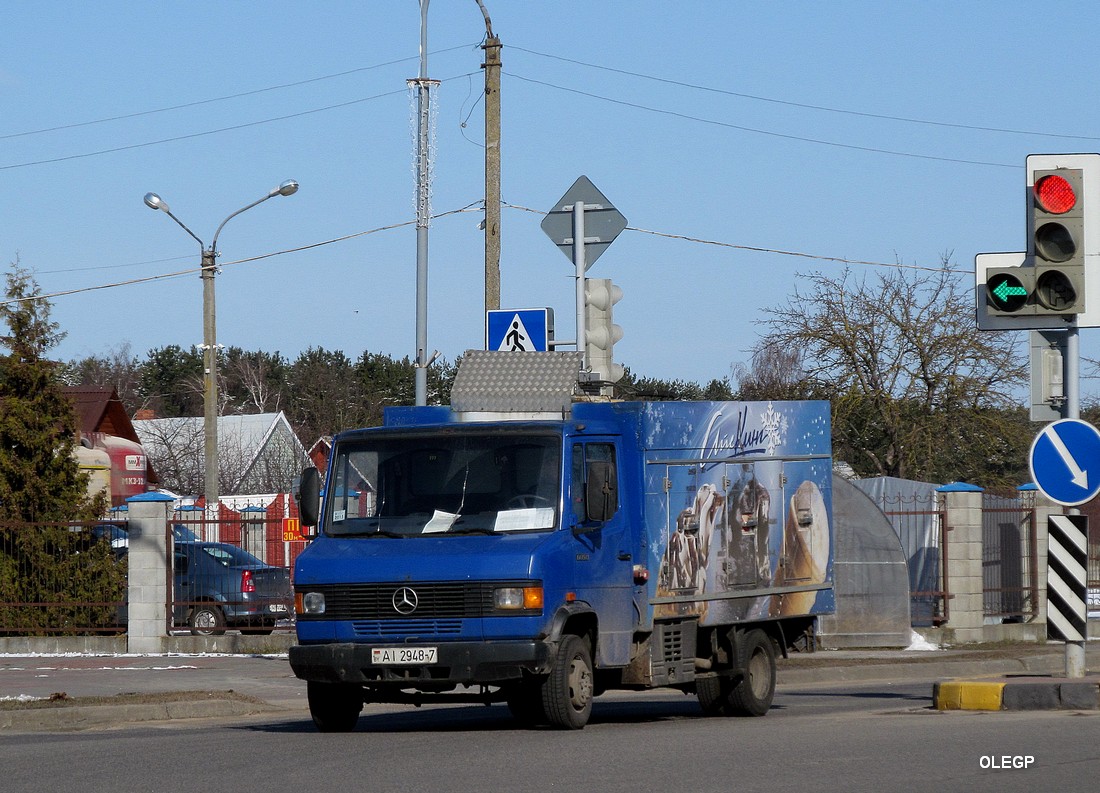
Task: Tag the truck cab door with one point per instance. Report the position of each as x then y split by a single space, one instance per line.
604 566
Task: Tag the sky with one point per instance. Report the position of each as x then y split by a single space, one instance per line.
726 133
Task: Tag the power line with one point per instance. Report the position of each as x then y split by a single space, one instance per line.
777 251
469 208
222 265
199 102
204 133
111 266
805 106
769 133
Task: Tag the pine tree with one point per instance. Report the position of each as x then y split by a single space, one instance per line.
39 476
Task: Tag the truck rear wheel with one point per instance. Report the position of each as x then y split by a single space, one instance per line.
334 707
567 692
752 693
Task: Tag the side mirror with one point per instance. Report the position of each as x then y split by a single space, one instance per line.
601 495
309 496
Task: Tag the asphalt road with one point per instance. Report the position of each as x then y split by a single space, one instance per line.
851 737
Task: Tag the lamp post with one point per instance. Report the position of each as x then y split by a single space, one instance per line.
209 333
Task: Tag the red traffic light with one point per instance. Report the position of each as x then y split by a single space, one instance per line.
1054 194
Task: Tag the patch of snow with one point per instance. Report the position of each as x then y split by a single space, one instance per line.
920 644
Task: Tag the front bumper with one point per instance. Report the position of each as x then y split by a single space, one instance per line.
458 663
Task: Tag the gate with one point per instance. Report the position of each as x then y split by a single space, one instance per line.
1010 578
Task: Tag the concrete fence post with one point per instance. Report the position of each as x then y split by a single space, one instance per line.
146 629
962 556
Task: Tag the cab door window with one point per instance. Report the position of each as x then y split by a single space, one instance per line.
595 489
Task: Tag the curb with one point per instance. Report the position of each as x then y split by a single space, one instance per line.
1028 693
81 717
918 668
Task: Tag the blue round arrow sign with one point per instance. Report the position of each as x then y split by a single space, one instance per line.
1065 461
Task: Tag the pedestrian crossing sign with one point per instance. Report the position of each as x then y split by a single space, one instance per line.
519 330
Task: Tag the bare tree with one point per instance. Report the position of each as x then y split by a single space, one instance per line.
118 369
175 451
917 390
256 378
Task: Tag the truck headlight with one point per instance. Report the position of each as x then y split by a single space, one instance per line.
310 603
512 598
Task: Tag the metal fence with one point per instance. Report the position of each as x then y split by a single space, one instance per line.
1094 571
1010 576
62 579
70 579
233 572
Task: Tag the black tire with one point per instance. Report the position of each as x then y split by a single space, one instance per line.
525 702
567 692
713 694
751 693
335 707
206 620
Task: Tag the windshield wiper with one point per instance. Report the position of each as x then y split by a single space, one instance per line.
380 532
471 530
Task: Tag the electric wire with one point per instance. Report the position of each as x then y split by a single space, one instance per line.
728 125
200 102
475 206
806 106
222 265
777 251
192 135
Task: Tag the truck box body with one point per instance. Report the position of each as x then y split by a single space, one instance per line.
461 551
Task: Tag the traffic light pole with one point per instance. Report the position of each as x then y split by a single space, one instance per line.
1075 651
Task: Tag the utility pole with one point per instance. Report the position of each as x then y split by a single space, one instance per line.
492 164
423 207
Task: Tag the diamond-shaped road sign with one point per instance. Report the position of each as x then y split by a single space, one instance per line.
602 222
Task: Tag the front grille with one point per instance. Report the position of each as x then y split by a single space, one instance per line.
440 600
384 629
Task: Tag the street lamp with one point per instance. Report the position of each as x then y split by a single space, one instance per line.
209 335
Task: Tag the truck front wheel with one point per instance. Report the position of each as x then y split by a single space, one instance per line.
567 692
334 707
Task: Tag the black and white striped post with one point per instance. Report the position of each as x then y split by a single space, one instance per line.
1061 456
1067 580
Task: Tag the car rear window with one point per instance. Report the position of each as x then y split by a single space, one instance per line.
231 556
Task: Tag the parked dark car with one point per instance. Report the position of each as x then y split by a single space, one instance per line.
216 585
219 586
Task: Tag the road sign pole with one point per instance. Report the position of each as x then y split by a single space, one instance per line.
578 261
1075 651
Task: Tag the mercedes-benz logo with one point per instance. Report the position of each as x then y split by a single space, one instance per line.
405 600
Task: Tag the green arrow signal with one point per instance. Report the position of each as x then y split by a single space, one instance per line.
1003 291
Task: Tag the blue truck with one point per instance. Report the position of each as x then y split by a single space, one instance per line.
520 546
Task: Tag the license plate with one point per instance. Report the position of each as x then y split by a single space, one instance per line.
276 608
408 656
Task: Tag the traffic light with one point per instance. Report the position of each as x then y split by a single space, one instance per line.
600 332
1009 290
1056 229
1051 279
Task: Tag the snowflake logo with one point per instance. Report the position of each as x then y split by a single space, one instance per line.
775 427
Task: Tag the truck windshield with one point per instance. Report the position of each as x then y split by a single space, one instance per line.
454 484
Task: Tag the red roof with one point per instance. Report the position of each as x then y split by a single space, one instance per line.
100 410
